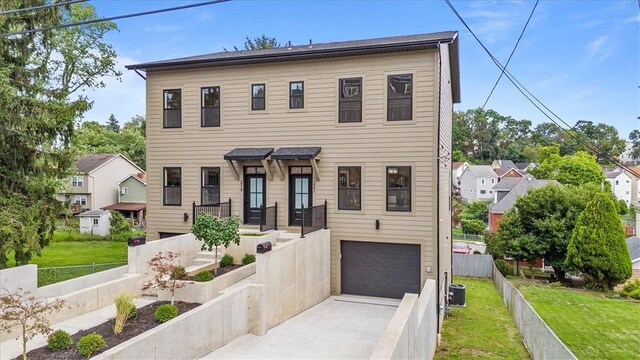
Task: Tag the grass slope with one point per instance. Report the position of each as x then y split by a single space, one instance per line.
482 330
79 253
592 326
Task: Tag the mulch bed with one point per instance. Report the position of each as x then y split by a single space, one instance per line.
143 321
221 271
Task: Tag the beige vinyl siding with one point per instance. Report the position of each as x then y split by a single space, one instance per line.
373 145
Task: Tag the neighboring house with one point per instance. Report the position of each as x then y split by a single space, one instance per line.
507 172
622 185
457 169
476 183
626 157
507 192
95 182
95 222
633 244
524 167
132 198
363 125
503 164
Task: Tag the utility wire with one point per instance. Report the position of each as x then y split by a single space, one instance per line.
577 136
126 16
16 11
511 55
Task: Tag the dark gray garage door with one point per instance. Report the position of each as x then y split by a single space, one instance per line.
380 269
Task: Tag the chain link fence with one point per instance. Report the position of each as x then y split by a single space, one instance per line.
50 275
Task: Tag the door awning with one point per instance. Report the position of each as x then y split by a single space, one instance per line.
296 153
239 154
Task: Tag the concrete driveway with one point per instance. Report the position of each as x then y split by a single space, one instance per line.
341 327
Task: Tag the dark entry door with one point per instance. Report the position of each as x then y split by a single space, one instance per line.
300 193
255 195
379 269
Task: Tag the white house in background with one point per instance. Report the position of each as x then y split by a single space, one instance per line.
626 157
621 184
96 222
457 168
476 183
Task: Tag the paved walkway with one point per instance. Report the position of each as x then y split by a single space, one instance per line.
338 328
12 348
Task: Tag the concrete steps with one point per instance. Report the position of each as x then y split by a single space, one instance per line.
205 260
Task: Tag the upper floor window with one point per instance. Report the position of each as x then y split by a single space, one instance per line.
210 106
399 188
296 95
81 199
399 97
210 185
258 96
349 187
172 186
77 181
493 181
350 101
617 182
482 181
172 108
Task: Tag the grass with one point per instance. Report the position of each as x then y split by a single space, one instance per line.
591 325
68 253
482 330
252 234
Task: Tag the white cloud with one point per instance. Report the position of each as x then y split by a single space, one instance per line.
599 49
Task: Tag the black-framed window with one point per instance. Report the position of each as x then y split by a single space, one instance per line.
172 105
296 95
399 188
210 185
350 100
210 98
172 186
258 96
349 185
399 97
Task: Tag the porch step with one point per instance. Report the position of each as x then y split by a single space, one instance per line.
200 265
210 255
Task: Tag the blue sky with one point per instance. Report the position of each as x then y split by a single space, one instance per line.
581 58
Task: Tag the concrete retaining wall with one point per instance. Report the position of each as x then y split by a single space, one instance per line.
472 265
248 245
202 292
23 277
412 331
80 283
540 340
139 256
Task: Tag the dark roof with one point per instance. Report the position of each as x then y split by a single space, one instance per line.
126 206
90 162
522 165
248 154
321 50
507 184
296 153
507 164
633 244
526 183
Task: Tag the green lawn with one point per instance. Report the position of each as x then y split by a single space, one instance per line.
482 330
591 325
68 253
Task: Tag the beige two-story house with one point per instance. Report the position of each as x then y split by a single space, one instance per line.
364 126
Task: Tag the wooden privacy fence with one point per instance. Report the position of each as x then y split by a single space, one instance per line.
472 265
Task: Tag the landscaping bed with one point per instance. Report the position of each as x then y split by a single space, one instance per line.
140 323
221 271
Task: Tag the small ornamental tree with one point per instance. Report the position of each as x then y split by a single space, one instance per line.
20 308
597 247
216 232
164 273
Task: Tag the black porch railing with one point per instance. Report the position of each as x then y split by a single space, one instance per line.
219 210
269 217
313 218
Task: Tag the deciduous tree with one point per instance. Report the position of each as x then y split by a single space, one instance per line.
164 273
215 232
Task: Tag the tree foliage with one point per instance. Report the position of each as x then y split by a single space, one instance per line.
597 248
215 232
473 226
259 42
163 269
113 124
119 228
576 169
634 137
42 76
478 210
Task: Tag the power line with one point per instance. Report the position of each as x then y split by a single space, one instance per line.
577 136
511 55
126 16
16 11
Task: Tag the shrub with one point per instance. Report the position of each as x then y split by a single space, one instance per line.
248 259
179 273
473 226
89 344
59 340
623 209
227 260
125 308
504 267
597 247
165 313
203 276
476 252
120 228
632 290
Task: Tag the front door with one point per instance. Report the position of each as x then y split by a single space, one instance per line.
255 195
300 193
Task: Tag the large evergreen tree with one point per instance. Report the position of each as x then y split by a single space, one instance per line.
597 248
41 77
113 124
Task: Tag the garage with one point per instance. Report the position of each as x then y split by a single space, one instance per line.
379 269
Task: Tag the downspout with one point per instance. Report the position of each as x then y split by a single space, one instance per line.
438 192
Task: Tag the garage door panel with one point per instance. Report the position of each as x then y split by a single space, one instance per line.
380 269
